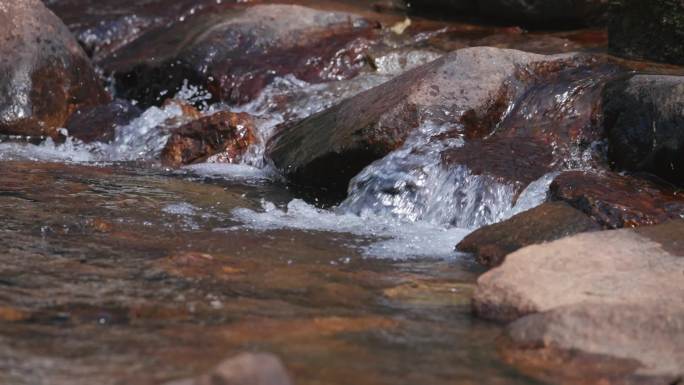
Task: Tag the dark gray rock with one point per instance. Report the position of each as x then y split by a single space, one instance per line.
644 121
651 29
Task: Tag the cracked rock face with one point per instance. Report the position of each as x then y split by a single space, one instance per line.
44 74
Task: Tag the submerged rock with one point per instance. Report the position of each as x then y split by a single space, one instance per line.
608 267
236 51
224 133
617 201
545 223
244 369
601 343
44 74
645 125
648 30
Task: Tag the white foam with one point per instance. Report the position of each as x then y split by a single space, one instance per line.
242 172
391 238
142 139
72 151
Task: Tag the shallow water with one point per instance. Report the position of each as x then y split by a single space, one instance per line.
120 274
116 271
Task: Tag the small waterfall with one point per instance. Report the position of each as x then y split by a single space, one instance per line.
412 184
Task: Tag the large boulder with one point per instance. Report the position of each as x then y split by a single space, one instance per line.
617 201
466 94
601 343
44 74
545 223
648 30
608 267
235 50
645 125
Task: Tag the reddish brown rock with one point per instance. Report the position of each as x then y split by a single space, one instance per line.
545 223
617 201
224 133
236 50
44 74
471 90
517 160
556 119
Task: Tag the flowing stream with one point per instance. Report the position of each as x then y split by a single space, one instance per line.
118 271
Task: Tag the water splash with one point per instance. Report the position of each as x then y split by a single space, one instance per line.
140 140
388 237
412 184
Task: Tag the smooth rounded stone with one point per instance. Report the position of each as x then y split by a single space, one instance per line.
44 74
644 120
237 50
608 267
628 343
244 369
651 30
469 89
224 133
617 201
98 123
547 222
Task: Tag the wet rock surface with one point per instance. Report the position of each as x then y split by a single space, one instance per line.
653 30
133 273
644 120
45 74
236 51
545 223
617 201
225 135
468 92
